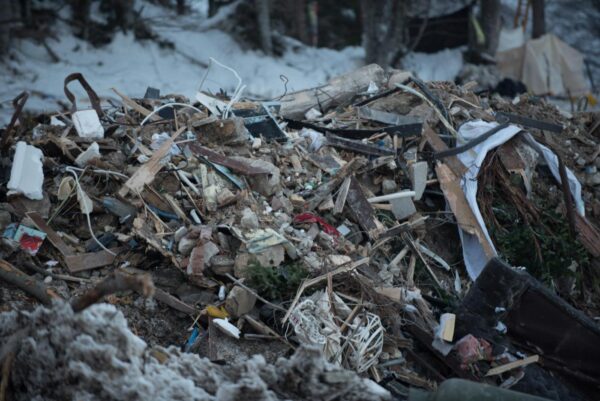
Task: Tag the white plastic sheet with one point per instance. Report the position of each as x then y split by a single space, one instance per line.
474 256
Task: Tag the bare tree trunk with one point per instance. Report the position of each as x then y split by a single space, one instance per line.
180 7
212 8
313 22
5 24
539 18
25 7
299 19
383 30
490 24
123 10
81 16
263 16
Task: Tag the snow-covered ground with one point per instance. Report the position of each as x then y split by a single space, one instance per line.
441 66
131 66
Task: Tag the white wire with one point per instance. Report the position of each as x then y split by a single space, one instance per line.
435 109
237 93
167 105
365 343
87 215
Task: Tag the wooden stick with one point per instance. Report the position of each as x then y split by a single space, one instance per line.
325 189
244 286
316 280
175 303
570 208
350 317
145 174
513 365
341 198
116 282
31 286
65 277
137 107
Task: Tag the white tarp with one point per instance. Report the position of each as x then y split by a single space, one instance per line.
474 256
547 66
511 39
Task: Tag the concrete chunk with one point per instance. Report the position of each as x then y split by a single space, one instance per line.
87 124
403 208
92 152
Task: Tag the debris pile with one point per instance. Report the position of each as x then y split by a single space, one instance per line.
362 219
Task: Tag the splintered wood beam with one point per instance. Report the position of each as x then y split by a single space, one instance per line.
362 210
434 140
116 282
31 286
146 173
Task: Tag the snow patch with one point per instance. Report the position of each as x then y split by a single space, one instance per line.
132 66
441 66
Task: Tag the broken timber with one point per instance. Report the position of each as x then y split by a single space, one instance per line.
91 260
52 235
362 209
325 189
235 165
455 197
457 167
145 174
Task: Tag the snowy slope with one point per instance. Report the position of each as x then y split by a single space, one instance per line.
131 65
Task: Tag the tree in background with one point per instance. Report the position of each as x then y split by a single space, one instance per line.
484 32
6 22
491 25
539 18
263 18
384 23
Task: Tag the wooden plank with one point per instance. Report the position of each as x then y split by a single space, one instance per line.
92 260
510 158
434 140
137 107
168 299
362 210
340 201
460 207
513 365
326 162
588 235
235 165
390 118
325 189
52 235
145 174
